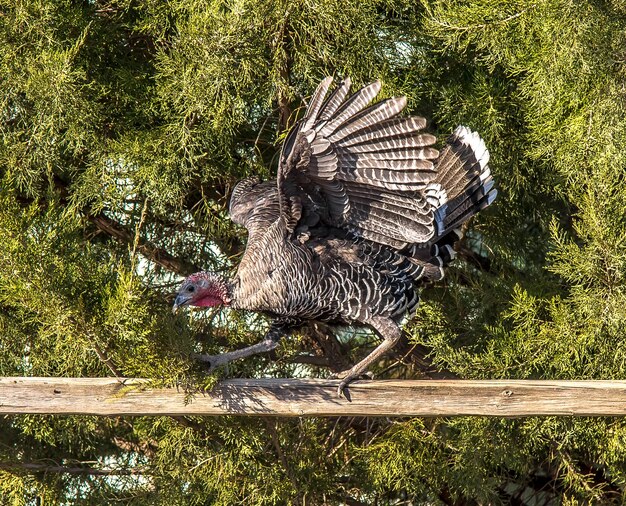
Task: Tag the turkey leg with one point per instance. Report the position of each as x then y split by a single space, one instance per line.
390 332
268 344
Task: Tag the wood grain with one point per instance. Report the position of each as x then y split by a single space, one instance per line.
309 397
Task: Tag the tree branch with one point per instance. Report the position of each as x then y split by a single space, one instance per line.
419 356
327 348
157 255
107 361
118 231
91 471
315 360
271 427
281 43
330 353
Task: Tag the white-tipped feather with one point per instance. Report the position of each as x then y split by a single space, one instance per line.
485 174
450 251
351 107
488 186
475 142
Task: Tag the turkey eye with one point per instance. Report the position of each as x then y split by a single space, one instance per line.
190 289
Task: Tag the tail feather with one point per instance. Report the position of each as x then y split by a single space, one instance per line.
462 171
432 261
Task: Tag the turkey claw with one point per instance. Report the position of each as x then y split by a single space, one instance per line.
341 389
210 362
346 378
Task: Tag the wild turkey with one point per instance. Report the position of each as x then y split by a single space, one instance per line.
363 212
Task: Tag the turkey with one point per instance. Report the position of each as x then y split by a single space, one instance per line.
364 211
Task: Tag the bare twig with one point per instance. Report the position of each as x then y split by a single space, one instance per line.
133 254
271 426
280 45
106 360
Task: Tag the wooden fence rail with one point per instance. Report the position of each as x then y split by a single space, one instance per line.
308 397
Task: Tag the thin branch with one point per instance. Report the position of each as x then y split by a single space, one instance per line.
482 25
118 231
327 346
332 354
315 360
420 357
106 360
271 426
142 219
281 43
480 262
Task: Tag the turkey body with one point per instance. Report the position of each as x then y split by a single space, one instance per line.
326 277
364 211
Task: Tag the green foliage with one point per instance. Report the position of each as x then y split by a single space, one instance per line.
124 126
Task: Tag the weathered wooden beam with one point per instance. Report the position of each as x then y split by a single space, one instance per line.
309 397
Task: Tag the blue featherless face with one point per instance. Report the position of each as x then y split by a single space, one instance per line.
203 289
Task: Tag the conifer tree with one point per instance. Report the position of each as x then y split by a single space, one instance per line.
124 126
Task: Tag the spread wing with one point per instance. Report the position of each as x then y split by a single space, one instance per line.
254 204
360 167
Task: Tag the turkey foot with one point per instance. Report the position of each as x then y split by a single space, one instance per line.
390 332
348 376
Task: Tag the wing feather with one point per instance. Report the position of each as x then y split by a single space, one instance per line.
369 171
335 100
351 106
316 104
364 166
371 116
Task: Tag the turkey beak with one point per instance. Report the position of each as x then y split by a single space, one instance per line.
180 300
